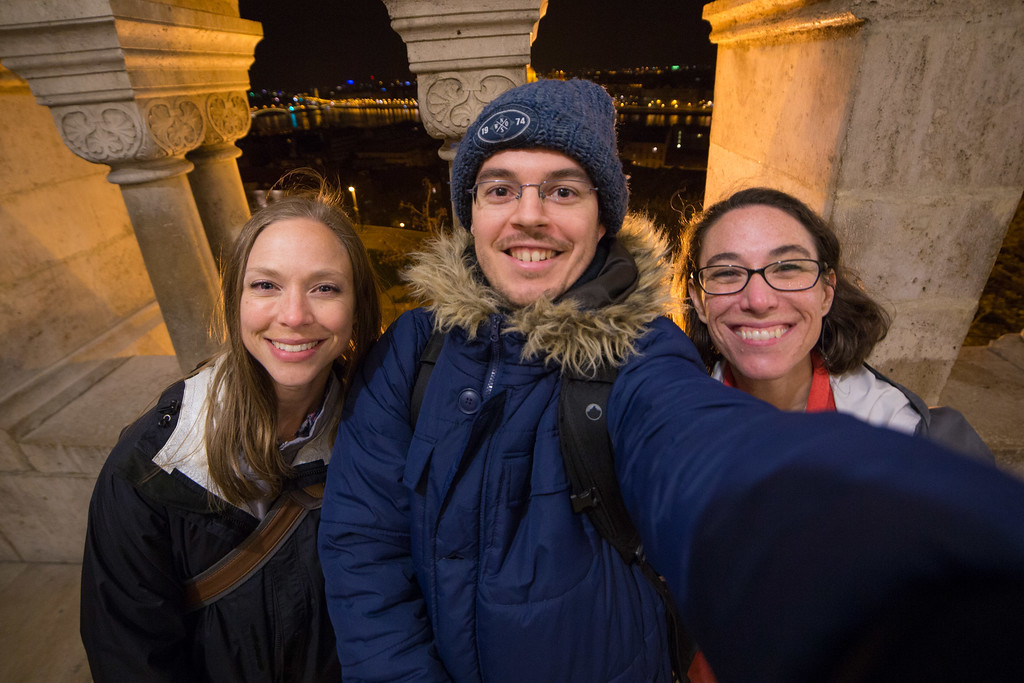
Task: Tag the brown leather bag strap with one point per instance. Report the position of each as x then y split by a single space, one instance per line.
233 569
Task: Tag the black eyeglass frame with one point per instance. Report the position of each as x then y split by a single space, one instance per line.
540 192
751 272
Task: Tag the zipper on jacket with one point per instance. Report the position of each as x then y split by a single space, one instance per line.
493 364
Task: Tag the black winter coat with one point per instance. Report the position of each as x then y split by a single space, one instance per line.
151 528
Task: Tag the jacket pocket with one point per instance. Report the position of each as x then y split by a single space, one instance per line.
515 480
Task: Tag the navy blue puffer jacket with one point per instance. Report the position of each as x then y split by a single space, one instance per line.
453 552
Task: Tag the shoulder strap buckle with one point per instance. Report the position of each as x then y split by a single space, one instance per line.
585 500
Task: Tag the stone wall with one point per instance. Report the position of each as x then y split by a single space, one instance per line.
70 268
75 303
899 120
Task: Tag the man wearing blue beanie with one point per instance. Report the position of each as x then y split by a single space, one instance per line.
797 547
576 118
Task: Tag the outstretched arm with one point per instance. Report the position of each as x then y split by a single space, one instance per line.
803 547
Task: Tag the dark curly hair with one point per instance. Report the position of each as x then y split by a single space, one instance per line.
853 326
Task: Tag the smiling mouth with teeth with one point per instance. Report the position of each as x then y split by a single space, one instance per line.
294 348
531 255
761 335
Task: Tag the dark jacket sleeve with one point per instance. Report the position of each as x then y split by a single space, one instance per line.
943 425
789 540
132 614
376 605
948 426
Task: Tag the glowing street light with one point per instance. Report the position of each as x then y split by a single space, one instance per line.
355 204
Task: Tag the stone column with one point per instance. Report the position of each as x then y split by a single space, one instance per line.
464 55
900 121
144 144
137 84
216 184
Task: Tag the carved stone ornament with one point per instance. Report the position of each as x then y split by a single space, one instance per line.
228 117
175 124
101 133
451 101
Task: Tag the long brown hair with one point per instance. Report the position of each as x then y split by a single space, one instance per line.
853 326
241 424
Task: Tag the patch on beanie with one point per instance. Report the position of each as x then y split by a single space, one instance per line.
504 125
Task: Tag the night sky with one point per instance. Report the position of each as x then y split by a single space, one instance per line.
322 43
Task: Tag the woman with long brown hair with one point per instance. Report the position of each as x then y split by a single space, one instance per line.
200 559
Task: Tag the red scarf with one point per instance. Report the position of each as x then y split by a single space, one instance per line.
820 398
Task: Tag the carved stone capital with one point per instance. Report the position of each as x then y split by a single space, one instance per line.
463 57
132 134
450 101
102 133
175 124
227 117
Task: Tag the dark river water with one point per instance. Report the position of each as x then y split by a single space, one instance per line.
392 163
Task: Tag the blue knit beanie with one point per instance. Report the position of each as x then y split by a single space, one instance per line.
576 118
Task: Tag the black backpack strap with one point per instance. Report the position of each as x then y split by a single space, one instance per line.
590 464
589 460
423 369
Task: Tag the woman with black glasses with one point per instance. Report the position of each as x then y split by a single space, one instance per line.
774 312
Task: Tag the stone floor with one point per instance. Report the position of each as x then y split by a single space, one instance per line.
39 638
987 386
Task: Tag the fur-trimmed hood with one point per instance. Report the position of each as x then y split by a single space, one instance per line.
447 278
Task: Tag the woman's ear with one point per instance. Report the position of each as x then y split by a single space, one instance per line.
830 292
697 302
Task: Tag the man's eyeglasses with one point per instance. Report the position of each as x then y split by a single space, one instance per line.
560 191
791 275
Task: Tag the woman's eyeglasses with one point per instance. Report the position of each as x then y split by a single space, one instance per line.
791 275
